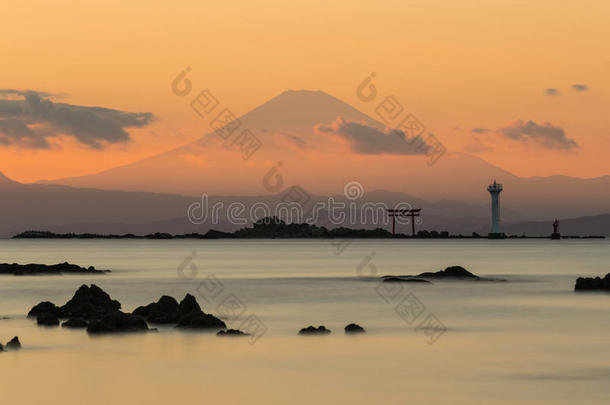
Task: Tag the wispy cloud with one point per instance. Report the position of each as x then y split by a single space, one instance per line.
29 118
546 135
551 92
580 87
480 130
368 140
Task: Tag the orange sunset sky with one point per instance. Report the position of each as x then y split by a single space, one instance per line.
457 66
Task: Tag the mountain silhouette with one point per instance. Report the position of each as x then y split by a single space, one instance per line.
323 163
5 180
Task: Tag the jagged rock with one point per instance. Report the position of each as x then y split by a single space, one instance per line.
89 303
592 284
44 307
391 279
14 344
200 320
117 321
190 316
188 305
163 311
75 323
312 330
47 319
354 328
232 332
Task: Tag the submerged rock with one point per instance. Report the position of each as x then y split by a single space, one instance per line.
232 332
391 279
593 283
14 344
47 319
312 330
354 328
451 272
75 323
117 322
165 310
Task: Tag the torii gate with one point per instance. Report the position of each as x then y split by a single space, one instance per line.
404 213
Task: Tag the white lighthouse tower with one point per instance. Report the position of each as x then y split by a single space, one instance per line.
495 189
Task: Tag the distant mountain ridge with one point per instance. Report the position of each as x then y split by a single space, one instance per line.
65 209
285 125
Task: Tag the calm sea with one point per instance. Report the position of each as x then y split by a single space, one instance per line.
528 340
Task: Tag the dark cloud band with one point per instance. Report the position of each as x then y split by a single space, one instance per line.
29 118
546 135
368 140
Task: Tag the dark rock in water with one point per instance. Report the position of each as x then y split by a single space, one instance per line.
312 330
391 279
354 328
232 332
53 269
44 307
14 344
47 319
75 323
451 272
593 284
117 322
163 311
190 316
188 305
200 320
1 347
89 303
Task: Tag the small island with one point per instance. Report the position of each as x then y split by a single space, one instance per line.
453 273
45 269
274 227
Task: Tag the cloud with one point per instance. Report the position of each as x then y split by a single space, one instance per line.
368 140
580 87
551 92
546 135
480 130
29 118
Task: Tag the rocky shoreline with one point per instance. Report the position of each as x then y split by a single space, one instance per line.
47 269
93 310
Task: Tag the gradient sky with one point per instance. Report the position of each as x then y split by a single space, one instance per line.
457 66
